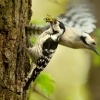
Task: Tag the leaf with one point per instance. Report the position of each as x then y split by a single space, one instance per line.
45 83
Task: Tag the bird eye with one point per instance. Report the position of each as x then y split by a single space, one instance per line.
93 43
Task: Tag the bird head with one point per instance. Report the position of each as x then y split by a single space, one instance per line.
74 39
89 42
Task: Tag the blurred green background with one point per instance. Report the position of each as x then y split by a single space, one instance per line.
72 74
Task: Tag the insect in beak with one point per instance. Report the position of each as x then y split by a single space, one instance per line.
50 19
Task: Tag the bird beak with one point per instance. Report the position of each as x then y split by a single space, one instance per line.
96 51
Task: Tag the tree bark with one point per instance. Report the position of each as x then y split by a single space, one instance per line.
14 63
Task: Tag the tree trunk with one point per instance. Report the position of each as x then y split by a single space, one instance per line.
14 63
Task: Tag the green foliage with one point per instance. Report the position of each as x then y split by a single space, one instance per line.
97 32
33 39
36 96
37 22
45 83
96 62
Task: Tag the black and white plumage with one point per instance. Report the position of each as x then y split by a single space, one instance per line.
44 49
79 15
79 21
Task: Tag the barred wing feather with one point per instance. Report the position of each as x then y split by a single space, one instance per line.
80 15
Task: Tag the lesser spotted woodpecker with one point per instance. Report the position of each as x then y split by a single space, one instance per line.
80 21
44 48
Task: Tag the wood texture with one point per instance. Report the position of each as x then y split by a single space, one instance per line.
14 63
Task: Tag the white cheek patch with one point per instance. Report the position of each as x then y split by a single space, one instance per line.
89 39
54 37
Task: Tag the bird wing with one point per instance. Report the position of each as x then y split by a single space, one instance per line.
79 14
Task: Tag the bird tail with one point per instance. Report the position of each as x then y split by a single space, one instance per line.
33 75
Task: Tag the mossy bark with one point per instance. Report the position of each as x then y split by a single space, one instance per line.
14 63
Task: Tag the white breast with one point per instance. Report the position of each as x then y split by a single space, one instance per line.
71 38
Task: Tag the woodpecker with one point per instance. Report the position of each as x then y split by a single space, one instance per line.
71 29
78 40
80 22
44 48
